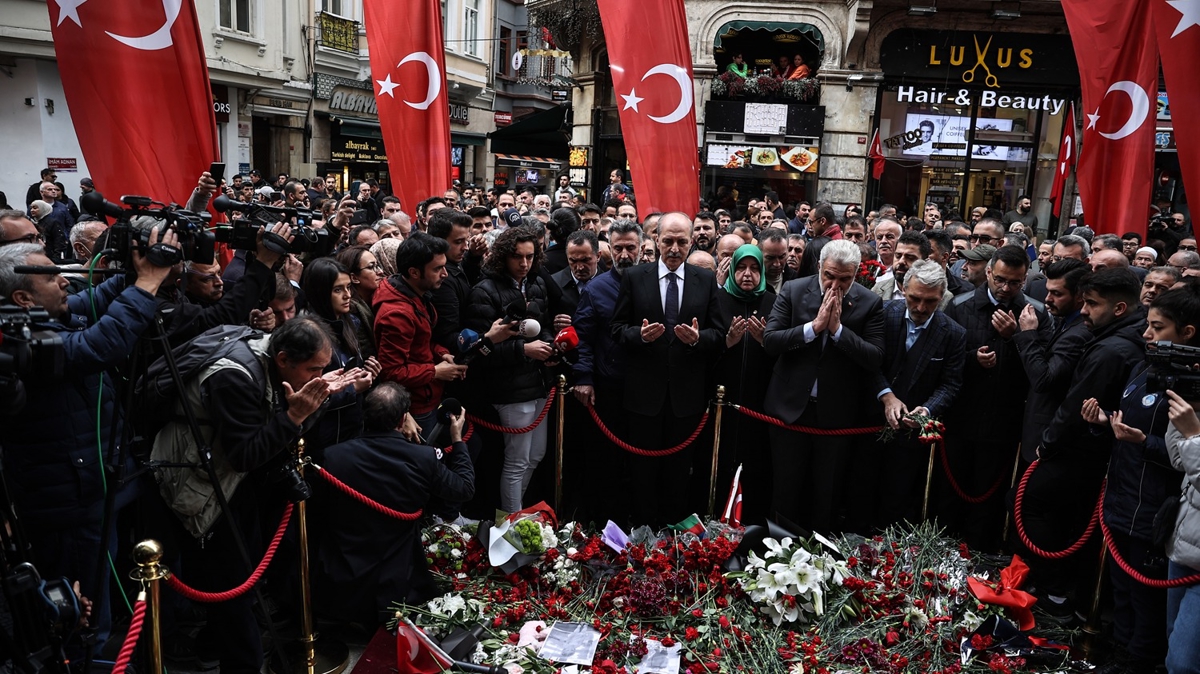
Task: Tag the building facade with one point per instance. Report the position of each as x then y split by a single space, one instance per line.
880 65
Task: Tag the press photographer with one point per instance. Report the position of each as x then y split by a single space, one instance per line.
254 396
54 448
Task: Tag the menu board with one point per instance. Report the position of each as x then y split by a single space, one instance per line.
787 158
769 119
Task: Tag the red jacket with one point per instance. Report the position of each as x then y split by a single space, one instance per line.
403 329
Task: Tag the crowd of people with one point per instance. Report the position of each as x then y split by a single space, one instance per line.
1027 348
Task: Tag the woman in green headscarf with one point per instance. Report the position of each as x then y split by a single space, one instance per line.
744 369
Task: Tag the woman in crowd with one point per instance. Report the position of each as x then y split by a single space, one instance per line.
510 377
384 251
783 67
744 369
1140 483
327 287
365 277
738 67
799 69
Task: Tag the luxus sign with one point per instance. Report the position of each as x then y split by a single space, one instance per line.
987 99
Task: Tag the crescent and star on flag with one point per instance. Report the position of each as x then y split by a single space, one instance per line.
1189 16
681 77
386 85
159 39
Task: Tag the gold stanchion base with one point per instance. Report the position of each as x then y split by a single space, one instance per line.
332 657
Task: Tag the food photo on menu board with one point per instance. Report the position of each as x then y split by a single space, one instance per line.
771 158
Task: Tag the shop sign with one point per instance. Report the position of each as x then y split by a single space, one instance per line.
502 118
987 99
980 59
221 106
460 114
1164 139
354 150
274 102
769 158
560 95
578 177
62 163
353 100
500 178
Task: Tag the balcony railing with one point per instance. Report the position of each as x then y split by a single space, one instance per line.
338 33
766 88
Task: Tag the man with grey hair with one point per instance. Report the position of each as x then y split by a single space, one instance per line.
826 332
83 241
51 447
1107 242
668 321
923 358
54 224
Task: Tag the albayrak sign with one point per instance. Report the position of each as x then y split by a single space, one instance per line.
987 99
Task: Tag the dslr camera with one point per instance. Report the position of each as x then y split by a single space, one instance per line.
1173 367
1161 221
242 234
195 239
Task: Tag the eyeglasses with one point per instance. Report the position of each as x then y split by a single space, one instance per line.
374 266
28 238
1004 283
1187 248
981 237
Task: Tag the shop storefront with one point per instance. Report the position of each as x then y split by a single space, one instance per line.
972 119
751 148
521 171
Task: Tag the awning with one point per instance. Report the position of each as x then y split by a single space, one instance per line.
477 139
542 134
530 162
358 128
731 29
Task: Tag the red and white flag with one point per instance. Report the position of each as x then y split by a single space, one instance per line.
136 83
1066 160
1118 71
651 66
408 66
732 515
875 154
1177 24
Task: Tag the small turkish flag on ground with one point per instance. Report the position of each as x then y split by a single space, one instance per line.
408 66
136 82
732 514
875 154
1066 159
1118 72
651 65
1177 24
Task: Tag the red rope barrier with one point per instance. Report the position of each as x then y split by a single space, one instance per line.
1128 568
805 429
363 498
174 583
973 500
1061 554
517 431
131 637
647 452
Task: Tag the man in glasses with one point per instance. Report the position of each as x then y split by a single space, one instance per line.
202 283
15 227
994 390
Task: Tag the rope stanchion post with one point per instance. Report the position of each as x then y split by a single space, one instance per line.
1093 629
558 445
1012 484
327 657
149 571
933 448
712 480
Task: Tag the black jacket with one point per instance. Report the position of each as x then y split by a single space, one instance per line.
991 399
449 300
930 373
1140 476
369 560
1101 374
667 363
745 369
568 302
844 370
555 259
1050 365
507 375
184 320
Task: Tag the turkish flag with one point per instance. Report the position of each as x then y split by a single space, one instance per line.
651 65
1178 27
408 65
1066 158
136 82
1118 71
875 154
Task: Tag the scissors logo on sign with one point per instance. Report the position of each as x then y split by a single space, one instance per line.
981 60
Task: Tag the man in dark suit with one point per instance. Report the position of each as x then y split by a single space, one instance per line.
827 333
922 374
983 435
583 257
668 322
370 559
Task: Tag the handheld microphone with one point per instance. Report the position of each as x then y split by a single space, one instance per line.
515 311
529 328
468 346
448 408
567 339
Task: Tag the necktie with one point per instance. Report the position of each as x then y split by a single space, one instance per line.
671 310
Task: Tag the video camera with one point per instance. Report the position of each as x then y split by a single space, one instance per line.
1173 367
1161 221
25 352
243 234
196 242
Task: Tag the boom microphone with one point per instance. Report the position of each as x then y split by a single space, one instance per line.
93 202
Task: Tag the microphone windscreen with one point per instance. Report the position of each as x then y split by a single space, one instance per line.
467 339
567 339
530 328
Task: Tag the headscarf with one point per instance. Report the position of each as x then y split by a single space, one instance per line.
384 251
731 286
